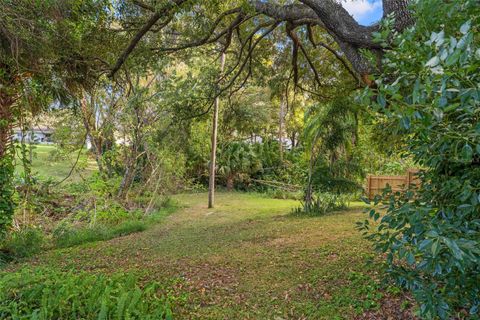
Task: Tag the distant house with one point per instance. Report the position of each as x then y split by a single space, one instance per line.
39 134
287 143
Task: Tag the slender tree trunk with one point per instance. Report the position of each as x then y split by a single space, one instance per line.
89 122
293 137
281 117
131 168
127 179
213 156
309 190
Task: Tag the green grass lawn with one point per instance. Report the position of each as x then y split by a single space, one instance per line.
246 259
46 165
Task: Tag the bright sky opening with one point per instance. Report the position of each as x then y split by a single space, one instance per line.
366 12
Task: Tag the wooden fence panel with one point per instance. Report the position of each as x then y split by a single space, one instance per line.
376 184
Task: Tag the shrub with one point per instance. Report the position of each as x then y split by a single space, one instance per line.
430 94
44 293
323 203
112 212
22 243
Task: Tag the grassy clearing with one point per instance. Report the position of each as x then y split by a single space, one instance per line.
246 259
46 165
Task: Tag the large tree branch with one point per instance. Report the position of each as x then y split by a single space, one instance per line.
291 13
401 12
208 38
328 14
338 21
146 27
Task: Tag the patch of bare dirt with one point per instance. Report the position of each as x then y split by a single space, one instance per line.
398 307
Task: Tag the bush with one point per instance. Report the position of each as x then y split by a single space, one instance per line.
44 293
323 203
430 94
21 244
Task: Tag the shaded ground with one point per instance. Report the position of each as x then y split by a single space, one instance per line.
249 259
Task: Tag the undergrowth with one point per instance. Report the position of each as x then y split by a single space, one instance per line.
323 203
45 293
29 241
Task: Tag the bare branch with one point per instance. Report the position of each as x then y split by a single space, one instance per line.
143 5
341 59
207 39
248 41
248 57
136 39
298 44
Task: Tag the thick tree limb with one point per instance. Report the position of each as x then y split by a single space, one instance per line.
136 39
401 12
293 12
337 20
328 14
143 5
298 44
153 19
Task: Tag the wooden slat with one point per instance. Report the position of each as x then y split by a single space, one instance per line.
376 184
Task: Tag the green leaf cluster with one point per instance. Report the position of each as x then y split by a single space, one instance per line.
430 92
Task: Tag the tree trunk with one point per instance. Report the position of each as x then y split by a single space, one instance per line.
96 141
213 156
127 179
281 116
131 167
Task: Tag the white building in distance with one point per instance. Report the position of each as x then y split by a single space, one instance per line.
38 134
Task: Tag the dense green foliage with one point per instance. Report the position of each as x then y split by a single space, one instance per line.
45 293
236 162
7 204
23 243
430 91
332 145
86 213
35 67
